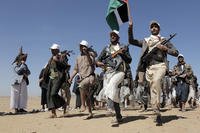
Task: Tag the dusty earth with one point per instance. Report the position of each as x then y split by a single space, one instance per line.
134 121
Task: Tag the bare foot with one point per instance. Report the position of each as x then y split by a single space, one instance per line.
83 108
53 116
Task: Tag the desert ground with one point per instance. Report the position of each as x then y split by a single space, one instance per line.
134 121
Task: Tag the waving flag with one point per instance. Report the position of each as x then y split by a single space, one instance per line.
117 13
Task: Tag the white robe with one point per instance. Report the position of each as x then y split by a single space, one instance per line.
110 86
191 93
19 96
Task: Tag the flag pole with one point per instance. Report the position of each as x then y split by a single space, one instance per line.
129 12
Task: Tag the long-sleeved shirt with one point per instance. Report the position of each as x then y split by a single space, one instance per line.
158 56
83 66
108 50
20 70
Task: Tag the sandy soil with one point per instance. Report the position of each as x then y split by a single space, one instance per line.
134 121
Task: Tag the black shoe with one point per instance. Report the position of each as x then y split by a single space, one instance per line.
120 120
162 105
158 120
194 104
93 108
22 111
145 107
17 110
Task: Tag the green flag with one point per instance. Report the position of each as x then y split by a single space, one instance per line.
117 13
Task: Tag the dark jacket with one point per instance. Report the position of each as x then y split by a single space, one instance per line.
42 84
104 55
158 56
22 69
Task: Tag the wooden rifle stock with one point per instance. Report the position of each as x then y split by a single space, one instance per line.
119 51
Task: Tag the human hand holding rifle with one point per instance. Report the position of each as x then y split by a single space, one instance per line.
120 51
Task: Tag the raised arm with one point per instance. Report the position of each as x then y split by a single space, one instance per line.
131 39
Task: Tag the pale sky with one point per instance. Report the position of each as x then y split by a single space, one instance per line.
36 24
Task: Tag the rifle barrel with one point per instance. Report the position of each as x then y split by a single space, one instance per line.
171 36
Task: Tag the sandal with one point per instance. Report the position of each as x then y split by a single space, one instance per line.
82 109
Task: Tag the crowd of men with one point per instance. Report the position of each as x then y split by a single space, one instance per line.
155 85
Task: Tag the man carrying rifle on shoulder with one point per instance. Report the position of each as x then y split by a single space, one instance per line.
154 66
65 87
53 75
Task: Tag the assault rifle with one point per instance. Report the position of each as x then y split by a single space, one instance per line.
64 55
114 60
17 58
66 52
90 49
149 55
120 51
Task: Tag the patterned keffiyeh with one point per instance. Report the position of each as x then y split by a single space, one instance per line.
153 40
